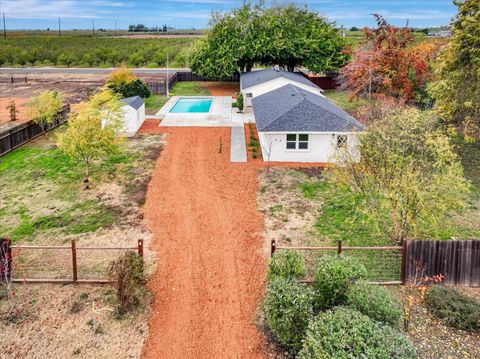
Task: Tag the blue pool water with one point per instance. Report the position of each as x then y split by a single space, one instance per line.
192 105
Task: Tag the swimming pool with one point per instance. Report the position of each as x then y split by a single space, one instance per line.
192 105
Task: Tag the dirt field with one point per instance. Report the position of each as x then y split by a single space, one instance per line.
152 36
222 88
208 238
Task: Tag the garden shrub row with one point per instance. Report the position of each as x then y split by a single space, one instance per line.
340 316
454 308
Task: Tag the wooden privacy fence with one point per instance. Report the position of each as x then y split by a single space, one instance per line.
61 264
457 261
13 80
25 132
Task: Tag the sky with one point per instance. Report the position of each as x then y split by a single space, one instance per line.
41 14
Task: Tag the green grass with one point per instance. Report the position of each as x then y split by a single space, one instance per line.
194 88
42 192
154 103
341 99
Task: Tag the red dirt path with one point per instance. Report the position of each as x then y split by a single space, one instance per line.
208 239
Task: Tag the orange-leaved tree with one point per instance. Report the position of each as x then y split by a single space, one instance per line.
389 63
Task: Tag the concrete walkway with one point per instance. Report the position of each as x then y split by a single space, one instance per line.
238 148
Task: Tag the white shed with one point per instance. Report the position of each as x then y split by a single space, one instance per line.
134 110
296 125
257 83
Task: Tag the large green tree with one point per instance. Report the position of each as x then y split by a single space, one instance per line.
457 89
289 36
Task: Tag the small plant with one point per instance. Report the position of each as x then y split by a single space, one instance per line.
288 309
129 280
346 333
12 110
286 264
334 275
376 302
454 308
45 108
240 102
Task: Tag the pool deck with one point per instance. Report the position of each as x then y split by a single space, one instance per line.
220 113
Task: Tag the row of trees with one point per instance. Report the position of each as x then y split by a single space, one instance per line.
86 51
289 36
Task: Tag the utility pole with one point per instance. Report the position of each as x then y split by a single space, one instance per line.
59 28
93 27
168 92
115 28
4 27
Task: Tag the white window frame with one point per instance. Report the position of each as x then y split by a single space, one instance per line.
297 142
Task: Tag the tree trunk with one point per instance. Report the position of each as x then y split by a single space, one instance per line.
249 67
290 68
86 180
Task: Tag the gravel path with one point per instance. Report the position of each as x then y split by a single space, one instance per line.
208 236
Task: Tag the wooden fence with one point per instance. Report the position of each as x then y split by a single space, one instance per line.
13 80
25 132
457 261
18 269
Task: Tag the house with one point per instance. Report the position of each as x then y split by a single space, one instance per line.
298 125
257 83
134 110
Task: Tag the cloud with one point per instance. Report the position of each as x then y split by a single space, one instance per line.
45 9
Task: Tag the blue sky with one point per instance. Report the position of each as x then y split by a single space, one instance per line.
40 14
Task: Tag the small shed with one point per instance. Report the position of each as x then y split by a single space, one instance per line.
257 83
296 125
134 110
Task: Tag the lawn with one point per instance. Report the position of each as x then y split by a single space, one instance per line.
196 88
340 98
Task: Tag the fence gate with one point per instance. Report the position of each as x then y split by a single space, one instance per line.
457 261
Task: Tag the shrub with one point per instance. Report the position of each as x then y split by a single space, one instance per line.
288 308
376 302
240 101
129 280
286 264
454 308
134 88
346 333
333 277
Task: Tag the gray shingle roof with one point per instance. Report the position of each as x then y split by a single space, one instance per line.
135 101
249 79
290 108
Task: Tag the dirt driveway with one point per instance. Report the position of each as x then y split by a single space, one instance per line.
208 239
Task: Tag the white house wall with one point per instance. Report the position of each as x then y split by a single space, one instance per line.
322 147
268 86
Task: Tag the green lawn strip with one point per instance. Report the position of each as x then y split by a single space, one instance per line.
194 88
154 103
340 98
37 167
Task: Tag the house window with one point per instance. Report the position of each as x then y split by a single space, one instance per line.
297 141
342 141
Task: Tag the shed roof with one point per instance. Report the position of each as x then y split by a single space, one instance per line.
253 78
135 101
290 108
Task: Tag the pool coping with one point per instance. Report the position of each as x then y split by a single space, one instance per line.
173 101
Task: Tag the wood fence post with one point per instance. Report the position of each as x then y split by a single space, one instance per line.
273 246
339 247
9 257
403 274
140 247
74 260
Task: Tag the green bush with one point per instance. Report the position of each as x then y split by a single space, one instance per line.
376 302
333 277
240 101
346 333
288 307
129 280
454 308
286 264
135 88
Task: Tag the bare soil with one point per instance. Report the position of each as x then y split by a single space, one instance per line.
208 238
222 88
153 36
